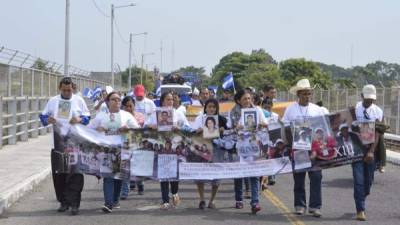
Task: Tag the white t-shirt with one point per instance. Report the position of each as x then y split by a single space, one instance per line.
120 119
146 107
273 118
196 102
198 121
64 109
179 119
103 107
260 118
374 112
297 112
182 109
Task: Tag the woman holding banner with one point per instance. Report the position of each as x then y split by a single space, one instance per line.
128 105
211 108
179 123
113 122
243 101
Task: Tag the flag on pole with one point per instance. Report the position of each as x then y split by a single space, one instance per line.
87 92
228 81
95 93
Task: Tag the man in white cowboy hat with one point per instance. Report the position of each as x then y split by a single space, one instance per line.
301 110
363 171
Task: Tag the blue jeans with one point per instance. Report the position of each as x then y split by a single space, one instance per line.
126 187
363 176
111 190
254 183
315 189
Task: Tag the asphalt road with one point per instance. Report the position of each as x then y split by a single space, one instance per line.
383 205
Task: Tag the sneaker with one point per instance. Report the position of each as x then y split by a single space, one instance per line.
271 182
211 205
140 193
381 169
361 216
176 200
247 195
299 210
315 212
255 208
165 206
202 205
116 206
107 209
239 205
74 210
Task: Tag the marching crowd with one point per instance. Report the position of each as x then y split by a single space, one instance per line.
117 114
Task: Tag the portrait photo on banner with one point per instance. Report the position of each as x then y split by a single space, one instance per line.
64 109
164 118
249 119
210 127
247 146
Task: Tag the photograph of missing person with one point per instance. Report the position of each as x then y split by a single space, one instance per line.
247 147
198 149
64 109
164 119
339 118
302 138
249 119
367 132
323 145
210 127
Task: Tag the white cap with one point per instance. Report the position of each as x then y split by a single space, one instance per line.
196 91
369 91
109 89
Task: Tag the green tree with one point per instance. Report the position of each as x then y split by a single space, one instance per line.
293 70
136 72
256 69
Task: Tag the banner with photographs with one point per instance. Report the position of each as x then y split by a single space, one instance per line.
174 155
331 142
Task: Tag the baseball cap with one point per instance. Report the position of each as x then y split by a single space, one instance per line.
369 91
139 90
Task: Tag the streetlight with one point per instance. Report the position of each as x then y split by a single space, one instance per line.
66 51
130 56
112 38
141 72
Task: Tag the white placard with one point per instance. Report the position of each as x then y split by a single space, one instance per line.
167 166
142 163
209 171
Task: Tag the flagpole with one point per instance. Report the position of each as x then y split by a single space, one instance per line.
233 81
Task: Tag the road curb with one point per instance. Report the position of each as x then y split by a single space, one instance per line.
19 190
393 157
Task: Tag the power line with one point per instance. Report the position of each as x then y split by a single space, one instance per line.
99 9
119 32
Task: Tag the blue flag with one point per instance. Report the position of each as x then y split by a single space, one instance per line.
95 93
87 92
228 81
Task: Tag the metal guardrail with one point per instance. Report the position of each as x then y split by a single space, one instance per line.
20 118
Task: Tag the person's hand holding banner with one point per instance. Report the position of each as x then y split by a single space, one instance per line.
75 120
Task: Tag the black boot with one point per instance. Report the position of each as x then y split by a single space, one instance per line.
74 210
63 207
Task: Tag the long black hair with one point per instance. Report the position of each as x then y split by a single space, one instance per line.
163 96
126 100
215 102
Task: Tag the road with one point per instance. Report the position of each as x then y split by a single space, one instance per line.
383 205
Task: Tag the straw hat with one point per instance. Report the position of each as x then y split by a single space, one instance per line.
303 84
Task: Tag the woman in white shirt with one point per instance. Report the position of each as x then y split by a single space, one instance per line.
113 122
179 122
243 101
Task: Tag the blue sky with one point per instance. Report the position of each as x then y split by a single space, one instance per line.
199 33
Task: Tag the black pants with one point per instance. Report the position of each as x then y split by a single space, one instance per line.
68 186
165 189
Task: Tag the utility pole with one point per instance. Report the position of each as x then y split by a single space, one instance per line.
112 45
130 62
66 51
161 56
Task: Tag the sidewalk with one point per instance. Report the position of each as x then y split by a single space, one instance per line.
26 164
22 167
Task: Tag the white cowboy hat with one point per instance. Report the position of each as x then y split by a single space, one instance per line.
343 125
369 92
303 84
